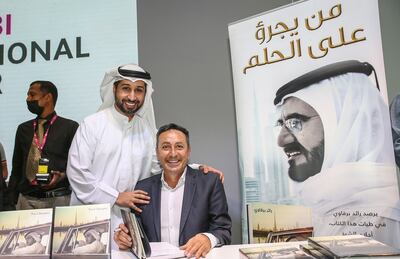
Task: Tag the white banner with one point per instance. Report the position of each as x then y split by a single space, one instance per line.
69 42
322 140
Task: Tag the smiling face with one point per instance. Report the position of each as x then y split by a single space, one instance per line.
129 96
302 138
173 151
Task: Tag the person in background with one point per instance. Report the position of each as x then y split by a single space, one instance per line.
3 161
48 136
3 169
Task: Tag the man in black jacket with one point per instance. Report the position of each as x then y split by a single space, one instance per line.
187 208
46 138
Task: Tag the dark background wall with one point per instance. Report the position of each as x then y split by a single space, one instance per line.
184 44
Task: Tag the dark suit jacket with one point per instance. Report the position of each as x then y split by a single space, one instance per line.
56 149
204 207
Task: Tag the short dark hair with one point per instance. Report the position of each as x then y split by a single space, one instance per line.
173 126
47 87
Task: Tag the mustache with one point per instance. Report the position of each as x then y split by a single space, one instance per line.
315 158
132 101
294 146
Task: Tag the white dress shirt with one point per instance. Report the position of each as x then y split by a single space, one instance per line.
171 208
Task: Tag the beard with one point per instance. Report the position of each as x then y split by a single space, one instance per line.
302 172
127 112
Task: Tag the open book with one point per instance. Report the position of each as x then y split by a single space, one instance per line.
140 244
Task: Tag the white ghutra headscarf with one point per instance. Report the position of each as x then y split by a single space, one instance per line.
131 72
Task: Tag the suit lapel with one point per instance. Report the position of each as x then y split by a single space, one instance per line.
156 206
188 194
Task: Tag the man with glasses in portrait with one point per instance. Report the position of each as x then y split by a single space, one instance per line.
334 131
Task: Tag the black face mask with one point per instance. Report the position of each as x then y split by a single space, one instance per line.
33 107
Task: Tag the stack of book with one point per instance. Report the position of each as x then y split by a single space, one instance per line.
64 232
329 247
348 246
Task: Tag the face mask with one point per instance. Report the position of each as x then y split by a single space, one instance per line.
33 107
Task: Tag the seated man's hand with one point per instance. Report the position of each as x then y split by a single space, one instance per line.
198 246
206 169
129 199
122 238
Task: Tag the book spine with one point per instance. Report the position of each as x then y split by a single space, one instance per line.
249 223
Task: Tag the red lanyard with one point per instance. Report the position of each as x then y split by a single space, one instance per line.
35 137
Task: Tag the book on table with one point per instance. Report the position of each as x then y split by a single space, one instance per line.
26 233
82 232
285 251
313 252
272 223
351 246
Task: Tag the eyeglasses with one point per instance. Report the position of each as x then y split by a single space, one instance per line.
294 125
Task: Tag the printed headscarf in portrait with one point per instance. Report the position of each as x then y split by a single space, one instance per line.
353 113
358 170
93 232
36 236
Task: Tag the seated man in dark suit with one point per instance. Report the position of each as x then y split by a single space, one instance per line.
187 208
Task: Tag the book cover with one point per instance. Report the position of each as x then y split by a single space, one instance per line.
278 252
270 223
26 233
140 244
351 246
82 231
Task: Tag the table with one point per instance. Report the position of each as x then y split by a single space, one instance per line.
227 252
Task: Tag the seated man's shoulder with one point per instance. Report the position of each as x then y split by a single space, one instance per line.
148 181
199 175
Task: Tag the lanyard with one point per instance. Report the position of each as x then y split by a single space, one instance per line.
35 137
